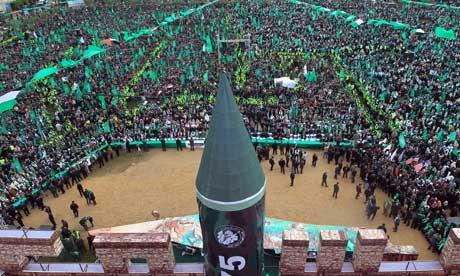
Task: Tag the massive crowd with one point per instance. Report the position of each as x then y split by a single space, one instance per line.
391 90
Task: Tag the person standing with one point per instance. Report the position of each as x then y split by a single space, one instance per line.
353 173
292 176
82 222
382 227
345 171
358 190
386 206
20 222
302 163
275 148
282 164
178 144
372 212
65 224
50 217
163 143
92 197
336 190
324 181
396 222
272 163
314 160
80 189
295 165
192 143
337 171
74 207
53 190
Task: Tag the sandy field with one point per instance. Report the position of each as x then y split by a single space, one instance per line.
129 187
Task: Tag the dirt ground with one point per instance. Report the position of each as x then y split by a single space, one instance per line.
128 188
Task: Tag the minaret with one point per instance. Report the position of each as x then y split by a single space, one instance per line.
231 193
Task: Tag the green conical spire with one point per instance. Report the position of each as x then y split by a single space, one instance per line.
230 177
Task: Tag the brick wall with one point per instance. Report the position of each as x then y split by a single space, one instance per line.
450 256
331 251
116 249
14 250
294 250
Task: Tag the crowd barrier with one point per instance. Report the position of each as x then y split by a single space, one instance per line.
199 143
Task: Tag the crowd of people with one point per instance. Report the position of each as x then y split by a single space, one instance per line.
390 90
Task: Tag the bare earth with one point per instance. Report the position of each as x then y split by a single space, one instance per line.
128 188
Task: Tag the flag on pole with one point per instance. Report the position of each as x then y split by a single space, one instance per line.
402 140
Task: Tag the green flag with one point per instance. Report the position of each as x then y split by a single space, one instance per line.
106 127
102 100
311 76
444 33
452 136
206 77
66 63
45 73
87 87
402 140
439 135
17 165
88 71
342 74
92 51
4 129
425 135
208 44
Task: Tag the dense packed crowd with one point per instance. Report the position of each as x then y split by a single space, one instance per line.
391 90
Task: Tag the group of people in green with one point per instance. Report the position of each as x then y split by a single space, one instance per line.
152 73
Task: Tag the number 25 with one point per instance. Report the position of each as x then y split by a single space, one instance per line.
230 264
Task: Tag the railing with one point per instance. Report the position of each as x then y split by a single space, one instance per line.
390 267
23 233
64 267
35 267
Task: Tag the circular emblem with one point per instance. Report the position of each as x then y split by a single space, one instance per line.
229 236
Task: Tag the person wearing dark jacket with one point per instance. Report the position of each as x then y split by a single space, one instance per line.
80 189
336 190
74 207
282 164
272 163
